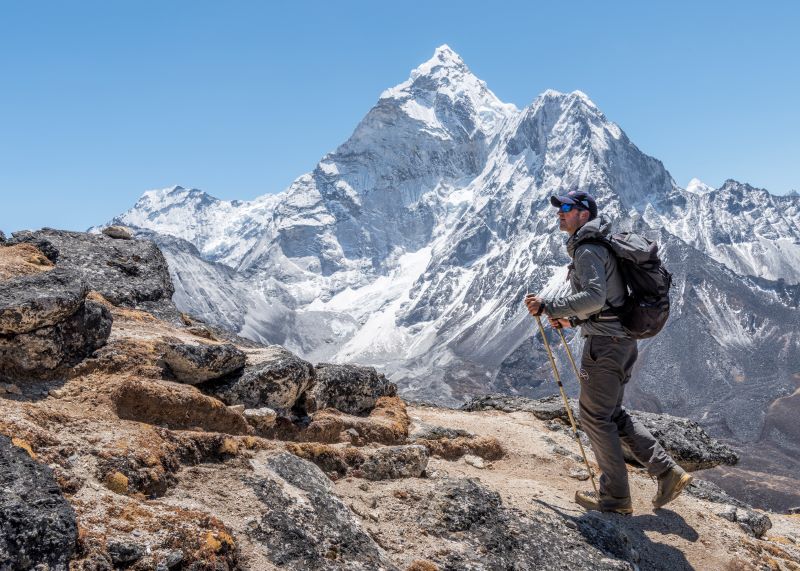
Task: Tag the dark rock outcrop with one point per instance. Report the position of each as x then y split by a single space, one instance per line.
496 537
393 462
194 364
31 302
305 526
352 389
47 324
37 525
277 381
684 439
128 273
753 522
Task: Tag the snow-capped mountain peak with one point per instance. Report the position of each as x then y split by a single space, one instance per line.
697 186
446 75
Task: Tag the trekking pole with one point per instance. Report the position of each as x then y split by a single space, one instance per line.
566 401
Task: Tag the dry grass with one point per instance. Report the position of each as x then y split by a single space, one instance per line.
22 260
487 447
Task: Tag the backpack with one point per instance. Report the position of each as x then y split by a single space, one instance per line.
646 309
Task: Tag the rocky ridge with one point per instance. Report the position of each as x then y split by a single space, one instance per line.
134 459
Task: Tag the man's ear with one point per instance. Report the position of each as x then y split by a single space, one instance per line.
585 215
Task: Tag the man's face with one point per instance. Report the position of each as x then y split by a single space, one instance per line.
570 221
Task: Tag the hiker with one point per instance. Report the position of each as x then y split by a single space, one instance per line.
609 354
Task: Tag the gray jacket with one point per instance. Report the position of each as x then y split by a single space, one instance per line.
596 282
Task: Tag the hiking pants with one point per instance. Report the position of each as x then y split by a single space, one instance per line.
607 363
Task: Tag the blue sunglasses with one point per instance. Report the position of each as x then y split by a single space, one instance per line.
568 207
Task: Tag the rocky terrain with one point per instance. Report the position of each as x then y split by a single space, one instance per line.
133 436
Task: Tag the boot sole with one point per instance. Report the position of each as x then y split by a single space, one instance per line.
685 480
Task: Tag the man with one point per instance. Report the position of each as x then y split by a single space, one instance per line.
608 357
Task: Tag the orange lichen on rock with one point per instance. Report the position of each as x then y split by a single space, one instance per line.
387 424
22 260
331 459
487 447
176 406
25 445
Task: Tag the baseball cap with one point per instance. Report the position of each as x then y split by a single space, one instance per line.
579 198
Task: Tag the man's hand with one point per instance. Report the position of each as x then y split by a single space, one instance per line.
558 323
534 304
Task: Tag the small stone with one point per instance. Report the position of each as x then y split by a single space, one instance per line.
579 474
259 418
475 461
571 524
118 232
363 486
237 407
124 553
10 388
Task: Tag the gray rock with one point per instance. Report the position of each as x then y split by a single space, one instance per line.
305 526
125 553
277 382
29 303
118 232
349 388
794 510
579 474
129 273
424 431
262 419
495 537
37 525
194 364
684 439
754 522
48 351
393 462
2 237
547 408
710 492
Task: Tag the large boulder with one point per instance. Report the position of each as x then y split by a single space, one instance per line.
37 525
129 273
194 364
304 525
31 302
277 380
47 352
176 406
349 388
684 439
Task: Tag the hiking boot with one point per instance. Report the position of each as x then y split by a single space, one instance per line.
670 485
605 503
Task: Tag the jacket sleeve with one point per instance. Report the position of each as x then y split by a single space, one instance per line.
590 273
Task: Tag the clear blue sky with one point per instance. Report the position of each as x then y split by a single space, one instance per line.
100 101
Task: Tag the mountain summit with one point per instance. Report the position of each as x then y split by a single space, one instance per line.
411 246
